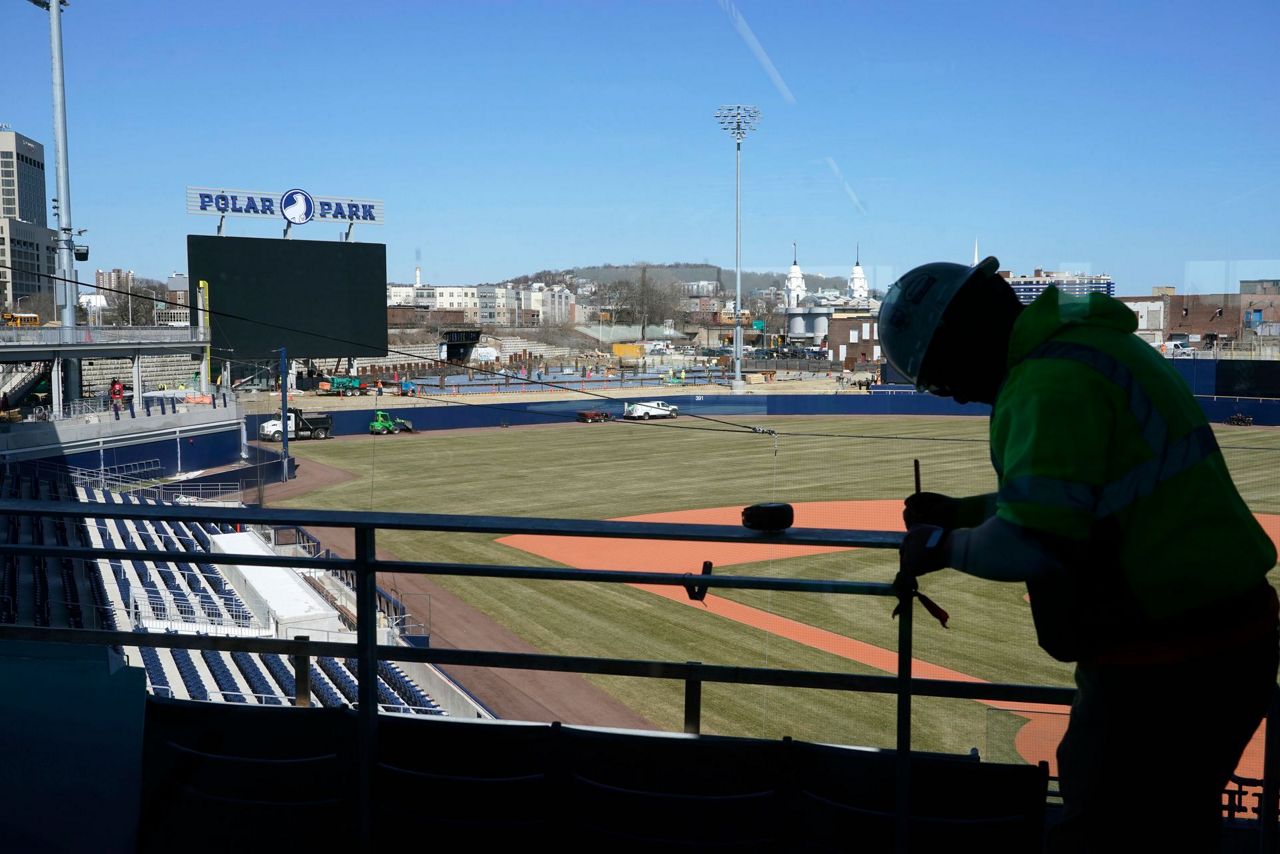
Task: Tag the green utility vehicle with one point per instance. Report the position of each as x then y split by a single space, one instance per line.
383 423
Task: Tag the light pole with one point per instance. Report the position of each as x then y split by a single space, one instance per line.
66 236
738 120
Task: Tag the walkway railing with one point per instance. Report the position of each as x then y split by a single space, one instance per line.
52 335
365 565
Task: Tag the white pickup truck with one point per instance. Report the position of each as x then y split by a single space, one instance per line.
650 409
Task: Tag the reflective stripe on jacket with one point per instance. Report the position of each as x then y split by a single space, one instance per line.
1097 440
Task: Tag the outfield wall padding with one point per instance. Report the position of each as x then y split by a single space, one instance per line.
426 418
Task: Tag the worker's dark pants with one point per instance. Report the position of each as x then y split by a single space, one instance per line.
1150 748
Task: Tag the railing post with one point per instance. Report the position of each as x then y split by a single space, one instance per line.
367 691
302 676
693 703
902 835
1269 800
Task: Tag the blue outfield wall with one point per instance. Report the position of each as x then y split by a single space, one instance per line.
352 422
426 418
1201 375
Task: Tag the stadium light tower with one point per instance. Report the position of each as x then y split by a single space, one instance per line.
738 120
66 236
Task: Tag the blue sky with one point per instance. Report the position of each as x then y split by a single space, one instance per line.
1136 139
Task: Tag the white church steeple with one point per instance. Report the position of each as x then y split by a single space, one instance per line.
796 289
858 289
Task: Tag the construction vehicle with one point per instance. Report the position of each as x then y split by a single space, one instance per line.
383 423
316 425
344 386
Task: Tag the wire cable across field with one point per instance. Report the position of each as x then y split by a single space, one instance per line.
736 427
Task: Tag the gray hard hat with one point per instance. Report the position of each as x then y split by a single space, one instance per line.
913 310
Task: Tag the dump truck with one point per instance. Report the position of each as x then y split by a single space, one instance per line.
383 423
316 425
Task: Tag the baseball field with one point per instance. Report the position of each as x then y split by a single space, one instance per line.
840 471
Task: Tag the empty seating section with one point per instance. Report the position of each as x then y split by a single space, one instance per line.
101 600
155 671
282 673
222 676
236 608
176 586
258 683
190 675
343 678
323 688
387 603
208 604
182 602
413 696
154 599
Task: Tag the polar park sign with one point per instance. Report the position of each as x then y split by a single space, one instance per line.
295 206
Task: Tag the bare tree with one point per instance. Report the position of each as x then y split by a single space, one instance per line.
41 303
134 305
644 302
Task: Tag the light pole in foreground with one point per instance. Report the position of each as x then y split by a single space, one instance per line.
738 120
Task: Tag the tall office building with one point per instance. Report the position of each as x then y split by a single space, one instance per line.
22 186
28 247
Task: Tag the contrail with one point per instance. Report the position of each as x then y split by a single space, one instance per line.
1245 195
740 24
853 197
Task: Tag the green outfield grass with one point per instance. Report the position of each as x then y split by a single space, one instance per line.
610 470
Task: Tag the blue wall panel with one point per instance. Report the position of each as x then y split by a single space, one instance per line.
208 450
427 418
1201 375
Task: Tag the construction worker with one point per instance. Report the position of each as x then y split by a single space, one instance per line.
1115 507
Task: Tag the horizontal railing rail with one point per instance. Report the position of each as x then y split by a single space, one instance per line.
365 565
50 335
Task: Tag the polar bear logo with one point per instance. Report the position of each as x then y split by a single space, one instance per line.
297 206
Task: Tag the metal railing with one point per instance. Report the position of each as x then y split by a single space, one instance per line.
365 565
54 335
139 479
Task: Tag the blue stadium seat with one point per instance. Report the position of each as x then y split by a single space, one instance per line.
281 673
257 682
222 676
190 675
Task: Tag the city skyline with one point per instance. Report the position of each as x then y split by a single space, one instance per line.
516 138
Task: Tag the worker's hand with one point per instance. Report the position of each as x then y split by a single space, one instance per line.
931 508
923 550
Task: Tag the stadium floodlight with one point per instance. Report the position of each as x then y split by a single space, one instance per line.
67 290
739 120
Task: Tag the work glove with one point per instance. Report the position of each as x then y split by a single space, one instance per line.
923 550
931 508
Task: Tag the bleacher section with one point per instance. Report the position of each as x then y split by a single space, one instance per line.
175 592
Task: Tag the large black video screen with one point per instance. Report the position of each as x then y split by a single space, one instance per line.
314 298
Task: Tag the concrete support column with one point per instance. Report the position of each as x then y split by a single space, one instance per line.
135 365
55 385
